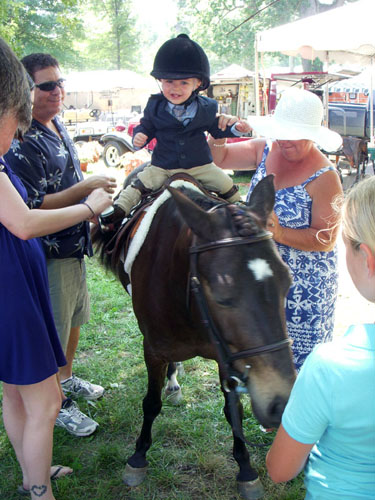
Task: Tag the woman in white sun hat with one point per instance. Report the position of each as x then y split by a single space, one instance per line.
303 222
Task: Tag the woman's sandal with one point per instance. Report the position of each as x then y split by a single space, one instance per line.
55 475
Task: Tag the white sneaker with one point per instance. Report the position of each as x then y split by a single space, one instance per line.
74 421
76 386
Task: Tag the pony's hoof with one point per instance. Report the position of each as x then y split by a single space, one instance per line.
173 396
250 490
134 476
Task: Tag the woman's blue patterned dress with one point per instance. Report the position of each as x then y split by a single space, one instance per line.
310 304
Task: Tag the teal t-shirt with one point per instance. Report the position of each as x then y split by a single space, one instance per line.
332 404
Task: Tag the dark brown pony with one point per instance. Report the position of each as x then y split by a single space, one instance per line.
208 281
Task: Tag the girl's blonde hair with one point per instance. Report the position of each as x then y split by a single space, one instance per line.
358 214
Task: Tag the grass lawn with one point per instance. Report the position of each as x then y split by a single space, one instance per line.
190 458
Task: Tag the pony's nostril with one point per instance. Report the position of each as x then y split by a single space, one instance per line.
276 408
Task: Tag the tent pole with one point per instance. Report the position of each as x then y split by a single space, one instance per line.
372 105
326 94
257 104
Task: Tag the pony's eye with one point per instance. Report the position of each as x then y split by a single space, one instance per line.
225 302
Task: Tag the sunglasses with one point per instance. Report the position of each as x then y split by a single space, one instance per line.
49 86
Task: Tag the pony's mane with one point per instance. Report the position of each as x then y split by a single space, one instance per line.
245 222
203 201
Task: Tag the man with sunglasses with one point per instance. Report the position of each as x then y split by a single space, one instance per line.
51 85
48 164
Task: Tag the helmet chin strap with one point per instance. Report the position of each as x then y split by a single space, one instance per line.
192 97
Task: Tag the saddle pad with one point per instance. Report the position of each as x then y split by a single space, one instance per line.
145 225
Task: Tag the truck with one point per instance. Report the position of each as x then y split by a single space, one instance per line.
352 121
86 125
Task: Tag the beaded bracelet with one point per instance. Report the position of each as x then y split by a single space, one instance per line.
219 145
91 210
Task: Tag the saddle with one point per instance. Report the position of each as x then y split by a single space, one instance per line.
120 242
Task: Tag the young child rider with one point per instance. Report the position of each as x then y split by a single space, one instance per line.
178 118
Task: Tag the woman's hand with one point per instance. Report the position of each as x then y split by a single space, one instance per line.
273 225
226 121
243 126
278 231
98 200
229 120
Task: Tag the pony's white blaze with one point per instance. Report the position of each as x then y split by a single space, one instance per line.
260 268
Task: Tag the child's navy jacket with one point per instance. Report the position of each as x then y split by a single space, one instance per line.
180 146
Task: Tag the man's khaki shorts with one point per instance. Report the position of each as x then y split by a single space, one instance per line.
69 295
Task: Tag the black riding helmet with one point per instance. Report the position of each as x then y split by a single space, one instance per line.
181 58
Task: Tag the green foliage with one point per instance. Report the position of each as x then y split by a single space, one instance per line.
213 23
220 27
42 26
117 45
8 24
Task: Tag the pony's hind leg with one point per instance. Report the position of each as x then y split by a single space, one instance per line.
248 482
136 467
180 368
173 389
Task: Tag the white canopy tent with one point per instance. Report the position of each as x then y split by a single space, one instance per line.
232 72
341 35
101 80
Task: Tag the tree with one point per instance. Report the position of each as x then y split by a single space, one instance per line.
42 26
117 44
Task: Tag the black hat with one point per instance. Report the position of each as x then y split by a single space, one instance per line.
181 58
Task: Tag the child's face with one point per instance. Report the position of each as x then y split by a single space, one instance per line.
179 91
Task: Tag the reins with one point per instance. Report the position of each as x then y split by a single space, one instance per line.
234 382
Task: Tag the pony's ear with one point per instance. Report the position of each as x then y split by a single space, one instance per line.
195 217
262 198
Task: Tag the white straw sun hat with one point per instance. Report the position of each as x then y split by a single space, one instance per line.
298 115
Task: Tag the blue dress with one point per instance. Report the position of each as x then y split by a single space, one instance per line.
30 349
310 303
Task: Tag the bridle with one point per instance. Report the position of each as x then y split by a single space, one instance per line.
234 382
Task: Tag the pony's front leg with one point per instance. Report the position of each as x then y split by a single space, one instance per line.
136 468
248 482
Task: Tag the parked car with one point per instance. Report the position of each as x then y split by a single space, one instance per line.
119 141
115 143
